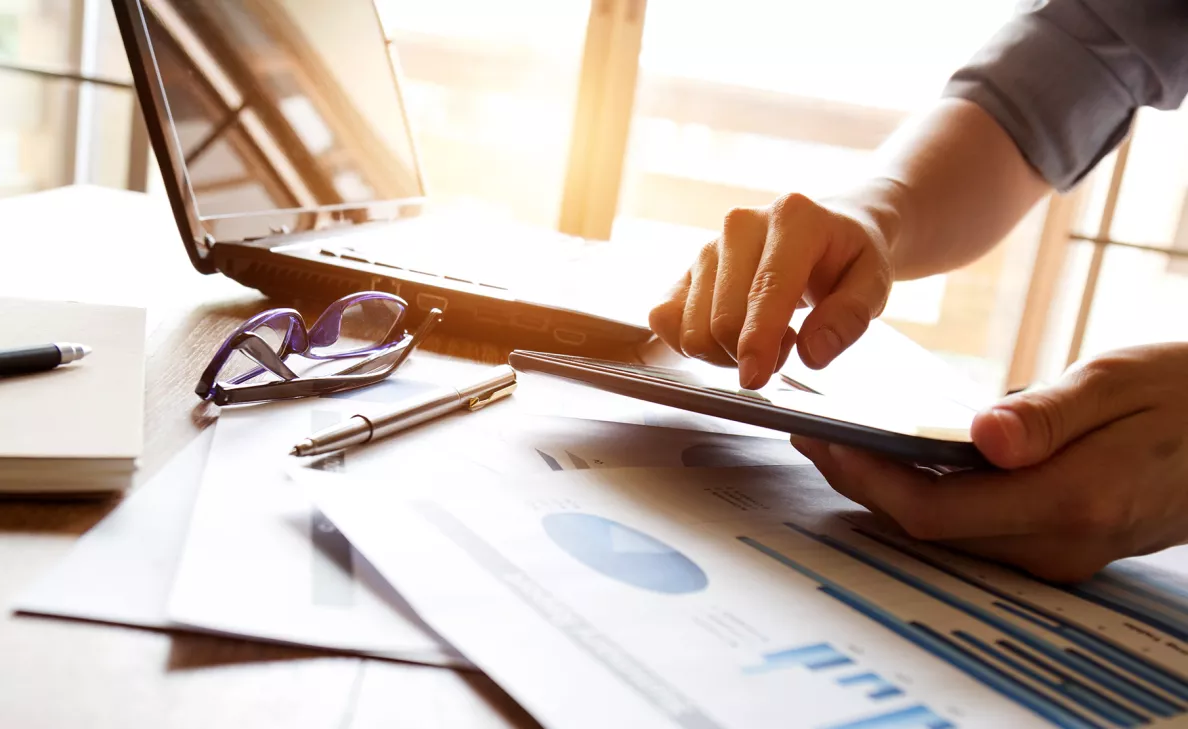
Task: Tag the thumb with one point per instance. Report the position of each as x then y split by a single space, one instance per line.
1031 426
844 315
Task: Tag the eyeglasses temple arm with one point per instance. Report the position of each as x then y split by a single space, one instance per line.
403 350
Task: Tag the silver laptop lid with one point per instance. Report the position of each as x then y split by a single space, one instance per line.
286 114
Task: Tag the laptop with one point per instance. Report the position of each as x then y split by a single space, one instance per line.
286 152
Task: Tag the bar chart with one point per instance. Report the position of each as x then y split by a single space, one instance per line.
1036 657
814 657
913 717
1143 592
875 686
824 658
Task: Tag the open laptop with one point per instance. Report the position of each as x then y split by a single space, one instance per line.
287 156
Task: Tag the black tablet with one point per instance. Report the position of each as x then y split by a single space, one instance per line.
934 433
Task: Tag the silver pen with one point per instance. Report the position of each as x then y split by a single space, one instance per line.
359 429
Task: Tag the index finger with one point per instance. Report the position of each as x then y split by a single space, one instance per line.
743 237
791 250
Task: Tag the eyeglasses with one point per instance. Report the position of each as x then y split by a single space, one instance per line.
367 325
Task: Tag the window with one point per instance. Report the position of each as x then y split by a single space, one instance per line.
491 90
1137 291
645 121
57 128
738 107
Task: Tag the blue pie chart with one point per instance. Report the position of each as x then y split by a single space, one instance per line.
624 554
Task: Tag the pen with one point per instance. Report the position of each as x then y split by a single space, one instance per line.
24 360
359 429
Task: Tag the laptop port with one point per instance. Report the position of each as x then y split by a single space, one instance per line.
568 336
490 316
430 301
356 259
528 321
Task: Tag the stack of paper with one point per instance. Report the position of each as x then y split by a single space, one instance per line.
76 428
231 545
608 572
756 597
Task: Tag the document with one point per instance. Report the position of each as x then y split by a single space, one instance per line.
755 597
121 571
261 562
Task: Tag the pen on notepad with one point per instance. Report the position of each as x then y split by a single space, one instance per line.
359 429
24 360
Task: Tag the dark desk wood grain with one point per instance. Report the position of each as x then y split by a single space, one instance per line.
108 246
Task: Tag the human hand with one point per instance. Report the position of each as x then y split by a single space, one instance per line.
1096 469
735 302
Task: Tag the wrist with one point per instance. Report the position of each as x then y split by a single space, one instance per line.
881 205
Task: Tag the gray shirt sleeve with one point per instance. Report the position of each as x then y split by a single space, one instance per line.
1065 77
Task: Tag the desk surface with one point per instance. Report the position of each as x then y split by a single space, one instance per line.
107 246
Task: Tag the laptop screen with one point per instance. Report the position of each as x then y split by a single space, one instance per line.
287 112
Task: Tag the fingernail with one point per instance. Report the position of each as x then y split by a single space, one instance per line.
748 370
1011 430
824 345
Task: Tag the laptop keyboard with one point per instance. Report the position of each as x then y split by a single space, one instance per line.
498 257
617 280
352 253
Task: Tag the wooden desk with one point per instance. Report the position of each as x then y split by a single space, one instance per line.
107 246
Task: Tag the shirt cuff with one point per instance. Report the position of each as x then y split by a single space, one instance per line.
1063 107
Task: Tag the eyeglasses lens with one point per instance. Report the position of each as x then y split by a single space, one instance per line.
364 326
240 366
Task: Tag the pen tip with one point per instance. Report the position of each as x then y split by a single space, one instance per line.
296 451
85 349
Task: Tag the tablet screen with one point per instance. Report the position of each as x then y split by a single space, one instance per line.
939 418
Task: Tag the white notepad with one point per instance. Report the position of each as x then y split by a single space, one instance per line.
79 427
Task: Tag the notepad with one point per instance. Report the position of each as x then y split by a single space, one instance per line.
77 428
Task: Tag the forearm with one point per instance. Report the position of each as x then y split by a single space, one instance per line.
949 187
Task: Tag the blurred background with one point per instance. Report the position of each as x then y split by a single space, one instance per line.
649 120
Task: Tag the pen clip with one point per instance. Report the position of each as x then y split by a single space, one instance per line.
481 401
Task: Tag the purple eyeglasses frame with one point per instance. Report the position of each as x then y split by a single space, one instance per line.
381 360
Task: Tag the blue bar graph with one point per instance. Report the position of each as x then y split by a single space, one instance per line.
1110 652
1041 672
1116 681
1100 647
941 647
815 657
913 717
1142 592
877 686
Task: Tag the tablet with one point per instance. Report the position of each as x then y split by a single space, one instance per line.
927 433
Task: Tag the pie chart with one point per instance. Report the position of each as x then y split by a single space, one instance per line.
624 554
